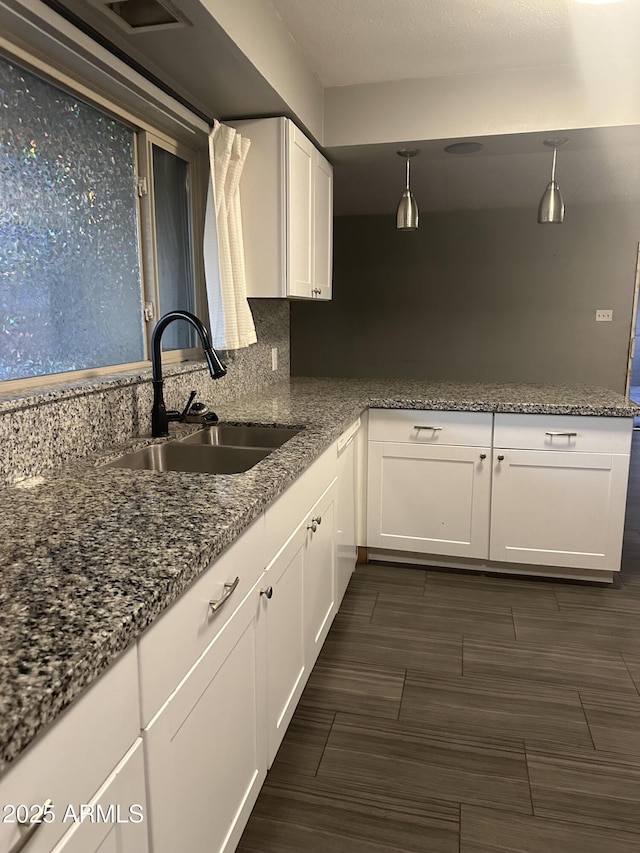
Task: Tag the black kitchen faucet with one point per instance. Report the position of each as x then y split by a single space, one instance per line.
159 416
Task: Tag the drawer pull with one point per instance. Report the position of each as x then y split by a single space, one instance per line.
313 526
268 592
229 589
433 428
501 457
565 434
483 456
34 823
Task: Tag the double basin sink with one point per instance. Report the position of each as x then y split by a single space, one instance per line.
220 449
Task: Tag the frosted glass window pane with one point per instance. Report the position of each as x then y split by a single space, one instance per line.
173 239
70 286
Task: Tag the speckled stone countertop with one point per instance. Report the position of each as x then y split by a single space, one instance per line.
92 555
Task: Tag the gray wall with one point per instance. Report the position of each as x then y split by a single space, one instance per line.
478 296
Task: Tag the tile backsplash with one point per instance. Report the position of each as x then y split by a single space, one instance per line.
40 430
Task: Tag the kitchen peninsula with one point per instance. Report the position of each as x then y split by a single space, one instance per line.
92 556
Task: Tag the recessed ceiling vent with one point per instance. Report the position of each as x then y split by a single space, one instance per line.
142 16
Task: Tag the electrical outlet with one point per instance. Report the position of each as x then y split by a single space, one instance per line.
604 315
274 358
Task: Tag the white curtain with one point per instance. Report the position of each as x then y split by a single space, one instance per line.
230 319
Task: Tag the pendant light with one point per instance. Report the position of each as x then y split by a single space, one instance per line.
407 214
551 207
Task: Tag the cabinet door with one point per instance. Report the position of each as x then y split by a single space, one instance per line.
115 821
206 749
347 508
285 641
323 228
300 187
554 508
429 500
319 572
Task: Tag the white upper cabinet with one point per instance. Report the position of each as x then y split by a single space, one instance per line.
287 212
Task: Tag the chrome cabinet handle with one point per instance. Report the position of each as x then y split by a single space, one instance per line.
565 434
268 592
433 428
34 823
500 457
229 589
318 518
483 456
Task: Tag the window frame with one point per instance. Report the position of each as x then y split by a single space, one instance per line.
145 140
193 147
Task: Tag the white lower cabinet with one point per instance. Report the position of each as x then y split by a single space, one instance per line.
347 509
285 637
319 573
430 500
299 608
558 509
545 491
206 747
429 482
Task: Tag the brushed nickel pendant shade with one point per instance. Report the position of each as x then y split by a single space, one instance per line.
551 207
407 213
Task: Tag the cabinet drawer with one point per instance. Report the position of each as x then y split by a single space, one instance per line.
117 815
176 640
563 432
414 425
74 757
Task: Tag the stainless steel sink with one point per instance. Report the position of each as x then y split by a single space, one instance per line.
221 449
228 435
178 456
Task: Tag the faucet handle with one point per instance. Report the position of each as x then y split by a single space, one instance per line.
185 411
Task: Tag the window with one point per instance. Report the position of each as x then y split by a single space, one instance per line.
172 206
73 285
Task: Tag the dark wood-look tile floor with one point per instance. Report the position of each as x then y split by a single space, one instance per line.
459 713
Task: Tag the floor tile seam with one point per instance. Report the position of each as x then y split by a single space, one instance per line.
478 775
418 809
540 681
329 833
635 683
358 665
564 822
574 760
471 607
511 745
584 711
526 764
534 686
324 746
536 646
602 621
589 821
404 686
415 822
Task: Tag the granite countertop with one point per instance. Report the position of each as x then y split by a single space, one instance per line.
92 555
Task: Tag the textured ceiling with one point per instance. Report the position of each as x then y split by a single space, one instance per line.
347 42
